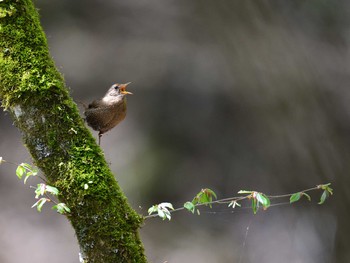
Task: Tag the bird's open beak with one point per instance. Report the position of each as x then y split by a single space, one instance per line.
122 88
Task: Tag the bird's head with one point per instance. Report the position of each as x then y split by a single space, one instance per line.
118 89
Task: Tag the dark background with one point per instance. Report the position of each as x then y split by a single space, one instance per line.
228 95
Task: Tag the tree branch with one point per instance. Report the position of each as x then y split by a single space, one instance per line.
33 91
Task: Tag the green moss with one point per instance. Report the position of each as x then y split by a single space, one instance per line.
34 92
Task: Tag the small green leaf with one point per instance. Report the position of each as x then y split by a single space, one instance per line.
39 204
195 200
26 178
263 200
205 196
245 192
61 208
40 190
190 207
26 169
295 197
204 199
52 190
307 196
152 209
35 171
254 205
326 188
208 192
20 171
323 198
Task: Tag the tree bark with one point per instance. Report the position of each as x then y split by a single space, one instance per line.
33 91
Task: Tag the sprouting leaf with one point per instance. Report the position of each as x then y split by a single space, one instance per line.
205 196
209 192
323 198
204 199
190 206
39 204
295 197
26 178
245 192
61 208
152 209
162 209
161 214
52 190
27 170
234 203
40 190
327 191
326 187
307 196
20 171
263 200
254 205
167 205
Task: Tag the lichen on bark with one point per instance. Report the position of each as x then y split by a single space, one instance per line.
33 91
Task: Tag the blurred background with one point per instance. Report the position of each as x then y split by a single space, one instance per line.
228 95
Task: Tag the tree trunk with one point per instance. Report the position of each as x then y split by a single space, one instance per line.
33 91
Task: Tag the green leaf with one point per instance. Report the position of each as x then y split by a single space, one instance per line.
40 190
26 178
254 205
326 187
61 208
52 190
39 204
205 196
295 197
263 200
26 169
190 206
324 196
210 193
307 196
204 199
20 171
245 192
152 209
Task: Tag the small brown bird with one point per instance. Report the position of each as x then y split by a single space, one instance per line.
104 114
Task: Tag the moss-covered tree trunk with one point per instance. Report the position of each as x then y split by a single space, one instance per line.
33 91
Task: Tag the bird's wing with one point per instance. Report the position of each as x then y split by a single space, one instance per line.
94 104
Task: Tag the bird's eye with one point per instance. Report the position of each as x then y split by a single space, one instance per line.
116 87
